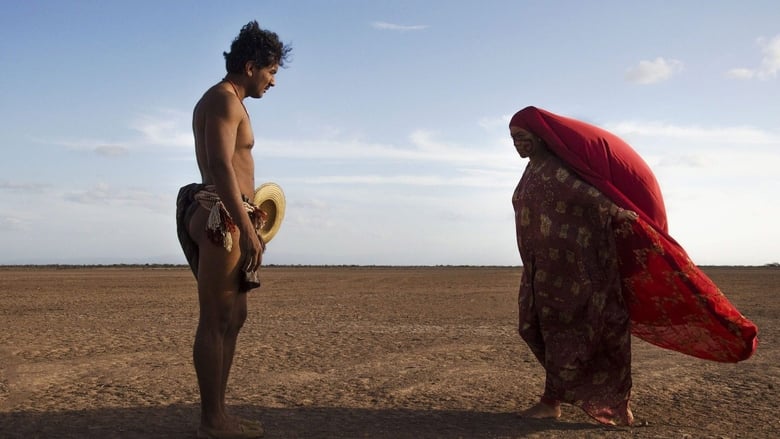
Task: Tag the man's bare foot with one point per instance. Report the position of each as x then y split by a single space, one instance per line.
248 423
542 411
230 427
242 432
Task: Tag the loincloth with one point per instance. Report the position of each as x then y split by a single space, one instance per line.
218 229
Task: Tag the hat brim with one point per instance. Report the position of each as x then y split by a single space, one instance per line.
269 198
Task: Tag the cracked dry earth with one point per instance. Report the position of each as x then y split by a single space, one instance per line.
352 352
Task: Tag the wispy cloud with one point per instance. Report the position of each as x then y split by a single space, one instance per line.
100 147
167 128
494 123
22 187
651 72
111 150
414 180
720 167
382 25
734 135
102 194
423 146
770 62
14 223
465 178
684 161
722 153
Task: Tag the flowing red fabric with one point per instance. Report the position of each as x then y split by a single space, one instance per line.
672 303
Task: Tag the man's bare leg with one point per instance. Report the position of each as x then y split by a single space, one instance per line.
212 346
222 314
207 357
237 320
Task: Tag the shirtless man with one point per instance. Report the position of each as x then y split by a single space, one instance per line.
224 271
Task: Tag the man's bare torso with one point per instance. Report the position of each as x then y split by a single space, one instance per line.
220 121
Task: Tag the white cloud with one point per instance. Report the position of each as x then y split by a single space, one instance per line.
741 73
770 62
651 72
381 25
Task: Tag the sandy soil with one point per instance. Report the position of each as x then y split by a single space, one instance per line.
352 352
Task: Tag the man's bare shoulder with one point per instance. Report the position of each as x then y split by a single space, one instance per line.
219 101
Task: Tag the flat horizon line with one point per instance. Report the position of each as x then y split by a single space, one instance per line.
166 265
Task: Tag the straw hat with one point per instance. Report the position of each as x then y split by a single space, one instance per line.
270 199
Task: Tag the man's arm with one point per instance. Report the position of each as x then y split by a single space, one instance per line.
221 129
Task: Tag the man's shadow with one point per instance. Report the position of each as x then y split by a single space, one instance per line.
180 421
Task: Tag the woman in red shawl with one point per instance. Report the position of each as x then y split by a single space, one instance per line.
598 264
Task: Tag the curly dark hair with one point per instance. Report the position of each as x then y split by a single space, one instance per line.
258 45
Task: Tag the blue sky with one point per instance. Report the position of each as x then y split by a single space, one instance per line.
388 129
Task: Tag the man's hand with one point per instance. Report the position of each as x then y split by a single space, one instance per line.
252 248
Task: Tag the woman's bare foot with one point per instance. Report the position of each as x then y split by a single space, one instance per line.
542 411
629 416
626 420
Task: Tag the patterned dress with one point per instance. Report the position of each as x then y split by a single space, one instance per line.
572 313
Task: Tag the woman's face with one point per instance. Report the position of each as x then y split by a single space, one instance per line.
526 144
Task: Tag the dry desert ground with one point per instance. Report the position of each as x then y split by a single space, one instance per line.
344 352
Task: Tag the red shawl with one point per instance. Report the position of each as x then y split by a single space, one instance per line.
672 303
